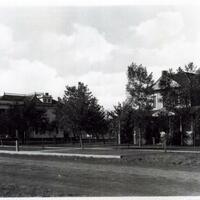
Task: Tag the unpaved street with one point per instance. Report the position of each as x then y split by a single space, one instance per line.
38 177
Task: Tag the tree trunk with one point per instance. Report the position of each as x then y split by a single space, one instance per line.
181 130
81 140
104 142
193 130
24 137
165 145
140 137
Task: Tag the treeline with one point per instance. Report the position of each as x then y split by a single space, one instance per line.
78 112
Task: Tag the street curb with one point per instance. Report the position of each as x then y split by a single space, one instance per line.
60 154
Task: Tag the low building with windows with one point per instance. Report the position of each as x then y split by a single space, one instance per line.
43 101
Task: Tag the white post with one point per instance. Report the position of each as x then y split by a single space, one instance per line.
154 142
17 145
16 142
119 139
140 137
134 138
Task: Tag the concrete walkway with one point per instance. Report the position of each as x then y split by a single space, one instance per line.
48 152
39 153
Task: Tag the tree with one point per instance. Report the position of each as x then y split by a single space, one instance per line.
97 124
139 88
80 112
124 114
169 89
191 68
113 124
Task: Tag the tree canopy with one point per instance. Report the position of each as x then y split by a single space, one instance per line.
139 87
80 112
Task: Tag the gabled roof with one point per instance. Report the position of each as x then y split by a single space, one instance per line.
20 97
184 78
180 79
15 97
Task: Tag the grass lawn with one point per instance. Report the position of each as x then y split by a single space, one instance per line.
140 173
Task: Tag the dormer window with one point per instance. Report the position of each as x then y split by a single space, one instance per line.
47 98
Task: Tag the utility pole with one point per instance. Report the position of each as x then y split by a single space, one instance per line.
119 131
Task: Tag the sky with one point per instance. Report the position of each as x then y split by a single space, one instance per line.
43 49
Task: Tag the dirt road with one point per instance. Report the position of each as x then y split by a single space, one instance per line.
39 177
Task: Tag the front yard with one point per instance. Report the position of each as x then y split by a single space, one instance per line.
138 174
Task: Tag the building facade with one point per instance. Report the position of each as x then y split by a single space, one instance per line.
43 101
183 117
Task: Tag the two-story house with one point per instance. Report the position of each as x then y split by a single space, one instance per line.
182 122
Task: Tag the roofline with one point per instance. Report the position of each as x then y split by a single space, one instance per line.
18 94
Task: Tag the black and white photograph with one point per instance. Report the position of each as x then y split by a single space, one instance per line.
99 99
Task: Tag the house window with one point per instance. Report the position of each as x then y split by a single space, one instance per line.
160 100
178 100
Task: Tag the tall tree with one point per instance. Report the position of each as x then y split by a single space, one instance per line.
123 119
97 124
139 88
191 68
79 111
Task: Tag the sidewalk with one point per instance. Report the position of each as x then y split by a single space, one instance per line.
39 153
